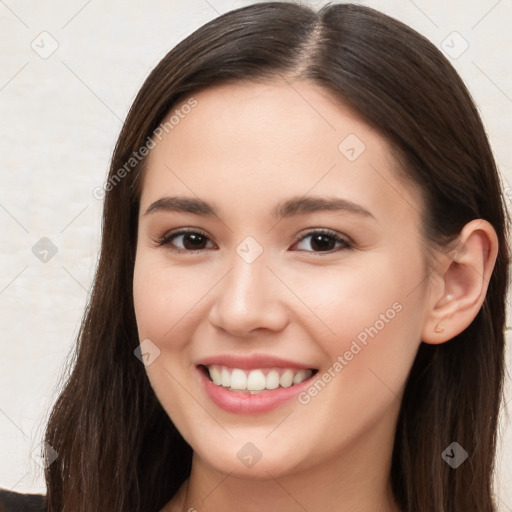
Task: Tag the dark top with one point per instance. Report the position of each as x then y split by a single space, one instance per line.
17 502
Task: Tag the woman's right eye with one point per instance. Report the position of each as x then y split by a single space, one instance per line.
190 241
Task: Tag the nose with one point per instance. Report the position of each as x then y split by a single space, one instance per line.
250 297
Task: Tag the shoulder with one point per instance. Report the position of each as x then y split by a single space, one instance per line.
17 502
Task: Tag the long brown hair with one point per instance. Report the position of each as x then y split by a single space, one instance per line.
117 448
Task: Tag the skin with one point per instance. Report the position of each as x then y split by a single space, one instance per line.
244 149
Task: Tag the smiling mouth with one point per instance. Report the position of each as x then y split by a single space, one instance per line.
255 381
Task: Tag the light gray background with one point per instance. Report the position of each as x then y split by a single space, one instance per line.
60 116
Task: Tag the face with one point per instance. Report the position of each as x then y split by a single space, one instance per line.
279 281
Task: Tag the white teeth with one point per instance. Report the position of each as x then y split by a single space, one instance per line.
216 375
300 376
238 379
272 380
286 379
255 381
226 378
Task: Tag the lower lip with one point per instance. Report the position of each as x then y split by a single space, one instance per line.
246 403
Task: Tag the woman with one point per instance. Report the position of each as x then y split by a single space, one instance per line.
300 298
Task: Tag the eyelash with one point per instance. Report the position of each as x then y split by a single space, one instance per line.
165 240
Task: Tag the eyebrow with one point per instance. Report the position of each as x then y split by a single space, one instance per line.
288 208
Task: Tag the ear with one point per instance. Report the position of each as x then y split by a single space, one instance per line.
460 282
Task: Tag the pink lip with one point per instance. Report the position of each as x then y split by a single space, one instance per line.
252 362
245 403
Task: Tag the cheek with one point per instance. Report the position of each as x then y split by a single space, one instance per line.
365 295
368 321
162 297
163 301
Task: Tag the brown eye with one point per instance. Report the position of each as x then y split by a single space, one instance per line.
323 241
184 241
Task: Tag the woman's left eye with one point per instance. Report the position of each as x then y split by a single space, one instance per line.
323 240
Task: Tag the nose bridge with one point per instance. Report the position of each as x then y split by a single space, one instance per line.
248 297
247 283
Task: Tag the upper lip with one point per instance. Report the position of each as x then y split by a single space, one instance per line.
252 362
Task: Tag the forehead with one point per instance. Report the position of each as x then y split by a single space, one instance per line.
249 146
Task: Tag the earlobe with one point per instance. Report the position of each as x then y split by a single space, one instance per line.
464 274
438 329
